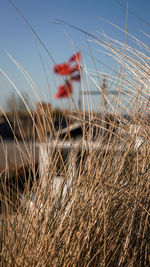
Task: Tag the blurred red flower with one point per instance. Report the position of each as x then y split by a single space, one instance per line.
64 90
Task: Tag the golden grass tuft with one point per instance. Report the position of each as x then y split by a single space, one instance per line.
100 214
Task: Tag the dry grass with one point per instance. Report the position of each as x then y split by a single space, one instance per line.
103 218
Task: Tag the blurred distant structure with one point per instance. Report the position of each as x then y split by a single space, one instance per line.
45 122
14 103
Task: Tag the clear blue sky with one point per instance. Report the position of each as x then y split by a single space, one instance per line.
18 40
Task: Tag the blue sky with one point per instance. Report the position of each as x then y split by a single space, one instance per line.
17 39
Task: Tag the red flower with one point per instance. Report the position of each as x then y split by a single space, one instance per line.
76 57
64 90
68 68
72 69
62 69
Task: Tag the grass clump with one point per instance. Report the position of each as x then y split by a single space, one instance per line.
94 210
